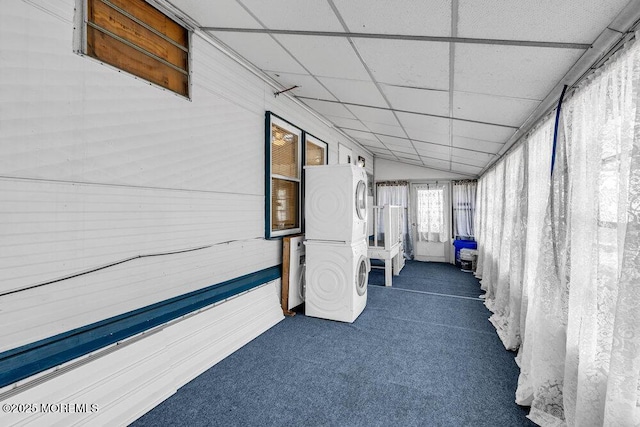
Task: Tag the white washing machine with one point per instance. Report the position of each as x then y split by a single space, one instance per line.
335 203
336 280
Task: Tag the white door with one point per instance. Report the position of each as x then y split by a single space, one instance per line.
431 221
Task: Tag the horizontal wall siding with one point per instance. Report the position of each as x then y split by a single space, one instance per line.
128 382
54 229
99 167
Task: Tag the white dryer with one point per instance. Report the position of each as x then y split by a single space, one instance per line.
336 280
335 203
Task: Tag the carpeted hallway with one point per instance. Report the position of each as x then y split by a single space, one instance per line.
422 353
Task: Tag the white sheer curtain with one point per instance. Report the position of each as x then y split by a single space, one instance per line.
430 213
397 195
464 208
583 325
560 258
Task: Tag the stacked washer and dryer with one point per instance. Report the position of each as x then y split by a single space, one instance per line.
337 264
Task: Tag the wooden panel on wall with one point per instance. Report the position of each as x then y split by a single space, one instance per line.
106 25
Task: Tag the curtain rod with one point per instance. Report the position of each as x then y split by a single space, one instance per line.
390 183
465 181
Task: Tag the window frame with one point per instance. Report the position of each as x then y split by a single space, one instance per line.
317 142
80 44
271 119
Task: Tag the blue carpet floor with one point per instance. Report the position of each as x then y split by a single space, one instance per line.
433 277
412 358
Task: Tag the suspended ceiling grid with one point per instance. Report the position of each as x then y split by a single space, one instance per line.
434 83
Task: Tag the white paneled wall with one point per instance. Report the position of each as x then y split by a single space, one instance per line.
125 384
98 166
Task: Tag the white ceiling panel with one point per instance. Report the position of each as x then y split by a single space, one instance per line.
482 131
472 170
329 108
511 71
434 163
420 126
402 146
295 15
386 129
371 144
326 56
403 142
374 115
234 16
572 21
419 100
348 123
429 149
360 134
435 156
261 50
307 85
355 91
467 154
476 144
403 152
419 17
405 156
492 109
407 63
478 162
383 153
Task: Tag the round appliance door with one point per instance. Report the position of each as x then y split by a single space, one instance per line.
362 275
361 200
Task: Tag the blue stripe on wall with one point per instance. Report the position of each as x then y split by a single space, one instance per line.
30 359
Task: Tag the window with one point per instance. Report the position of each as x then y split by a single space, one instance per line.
315 151
430 213
139 39
284 171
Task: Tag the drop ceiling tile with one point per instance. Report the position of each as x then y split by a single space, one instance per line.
354 91
477 162
482 131
405 156
574 21
416 17
386 129
511 71
418 100
383 153
431 149
407 152
371 144
234 16
307 86
360 134
393 141
405 62
261 50
462 153
438 164
329 108
476 144
423 137
471 170
326 56
374 115
295 15
435 156
492 109
425 128
348 123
